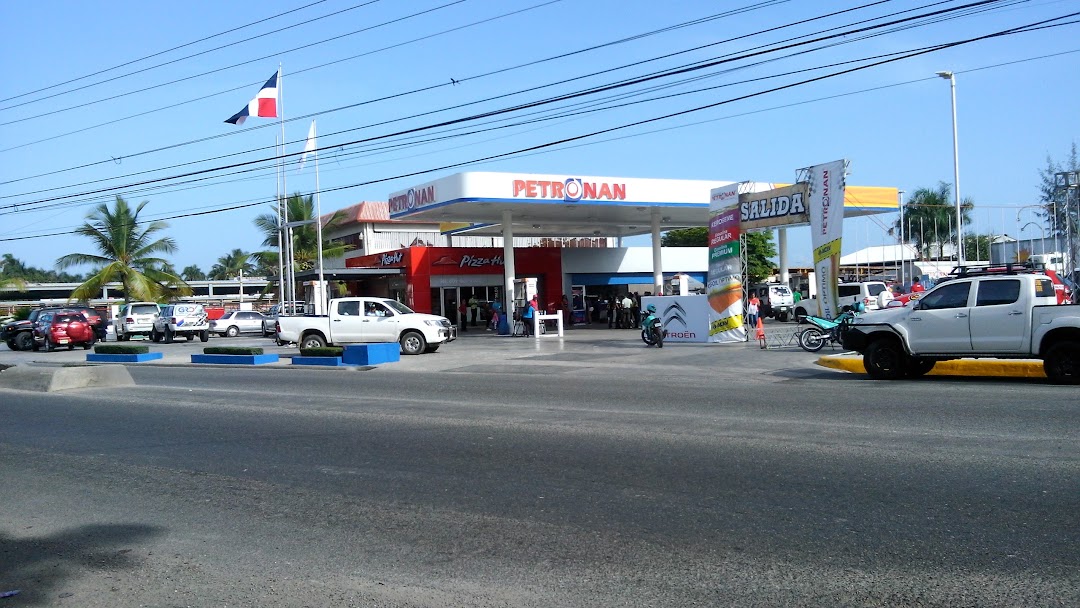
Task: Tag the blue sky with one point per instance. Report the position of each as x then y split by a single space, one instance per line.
899 134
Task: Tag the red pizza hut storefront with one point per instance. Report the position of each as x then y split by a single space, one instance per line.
438 279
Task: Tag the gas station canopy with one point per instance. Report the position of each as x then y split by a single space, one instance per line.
582 206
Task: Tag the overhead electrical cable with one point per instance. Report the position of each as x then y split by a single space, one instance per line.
235 65
601 88
1044 24
528 151
414 91
186 57
159 53
538 87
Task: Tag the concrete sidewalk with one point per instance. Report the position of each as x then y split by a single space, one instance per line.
996 368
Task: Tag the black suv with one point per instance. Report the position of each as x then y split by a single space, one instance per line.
19 335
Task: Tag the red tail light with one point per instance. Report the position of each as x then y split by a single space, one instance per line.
129 320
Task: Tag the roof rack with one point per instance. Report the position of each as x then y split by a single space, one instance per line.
988 268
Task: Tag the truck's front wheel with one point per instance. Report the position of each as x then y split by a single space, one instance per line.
885 360
312 341
412 343
1062 363
24 341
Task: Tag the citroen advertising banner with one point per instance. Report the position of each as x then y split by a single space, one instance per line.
724 287
686 318
825 199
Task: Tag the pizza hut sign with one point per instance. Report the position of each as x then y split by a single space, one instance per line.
473 261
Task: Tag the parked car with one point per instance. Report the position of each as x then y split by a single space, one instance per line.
777 301
62 328
136 319
360 320
188 320
236 322
19 335
990 315
95 318
871 294
293 309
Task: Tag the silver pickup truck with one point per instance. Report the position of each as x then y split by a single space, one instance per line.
1004 316
360 320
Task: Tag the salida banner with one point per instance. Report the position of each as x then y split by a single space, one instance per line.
825 199
724 287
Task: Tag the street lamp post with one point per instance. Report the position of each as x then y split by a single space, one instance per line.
1041 231
1069 181
902 248
956 170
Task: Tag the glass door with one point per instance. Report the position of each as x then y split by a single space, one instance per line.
449 300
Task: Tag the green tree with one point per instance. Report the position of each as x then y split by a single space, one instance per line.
127 254
686 237
193 273
760 249
760 252
930 219
14 268
977 247
230 265
1058 215
305 250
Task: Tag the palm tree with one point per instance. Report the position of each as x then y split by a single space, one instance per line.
305 251
126 254
193 273
231 264
12 283
930 219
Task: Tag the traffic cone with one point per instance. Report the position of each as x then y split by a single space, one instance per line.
760 333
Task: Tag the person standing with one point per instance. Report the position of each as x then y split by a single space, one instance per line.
752 309
627 307
796 296
612 310
463 318
474 308
527 317
635 310
916 285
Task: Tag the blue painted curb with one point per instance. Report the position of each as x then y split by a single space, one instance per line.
235 359
371 354
325 361
131 358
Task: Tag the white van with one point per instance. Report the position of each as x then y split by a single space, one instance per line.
777 301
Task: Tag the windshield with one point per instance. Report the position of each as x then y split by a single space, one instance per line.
399 307
144 309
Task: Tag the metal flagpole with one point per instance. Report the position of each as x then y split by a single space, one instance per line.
290 270
318 224
280 228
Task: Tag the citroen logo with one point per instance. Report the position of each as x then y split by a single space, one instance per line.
675 312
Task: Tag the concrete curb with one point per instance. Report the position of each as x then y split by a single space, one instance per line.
997 368
49 379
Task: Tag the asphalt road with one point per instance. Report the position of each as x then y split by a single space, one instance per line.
521 473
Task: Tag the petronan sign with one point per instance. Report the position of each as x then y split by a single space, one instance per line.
778 207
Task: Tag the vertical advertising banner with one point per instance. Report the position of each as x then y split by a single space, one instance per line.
724 286
825 200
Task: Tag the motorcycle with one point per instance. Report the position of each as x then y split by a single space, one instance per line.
652 331
824 331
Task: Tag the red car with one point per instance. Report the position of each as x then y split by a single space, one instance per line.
63 328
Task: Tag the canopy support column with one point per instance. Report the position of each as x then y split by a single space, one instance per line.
657 265
508 263
781 244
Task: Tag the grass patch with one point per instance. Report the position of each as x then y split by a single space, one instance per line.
322 351
232 350
121 349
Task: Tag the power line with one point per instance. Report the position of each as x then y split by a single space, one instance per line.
402 94
1044 24
229 67
625 82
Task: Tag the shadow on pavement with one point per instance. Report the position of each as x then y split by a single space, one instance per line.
38 566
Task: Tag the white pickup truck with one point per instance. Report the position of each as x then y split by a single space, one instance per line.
1006 316
359 320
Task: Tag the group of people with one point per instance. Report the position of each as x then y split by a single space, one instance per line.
624 312
472 312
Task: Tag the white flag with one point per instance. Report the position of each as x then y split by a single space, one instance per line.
309 147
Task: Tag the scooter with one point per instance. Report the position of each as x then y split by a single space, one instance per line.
652 329
825 331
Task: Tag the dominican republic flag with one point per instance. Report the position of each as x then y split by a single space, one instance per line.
264 104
